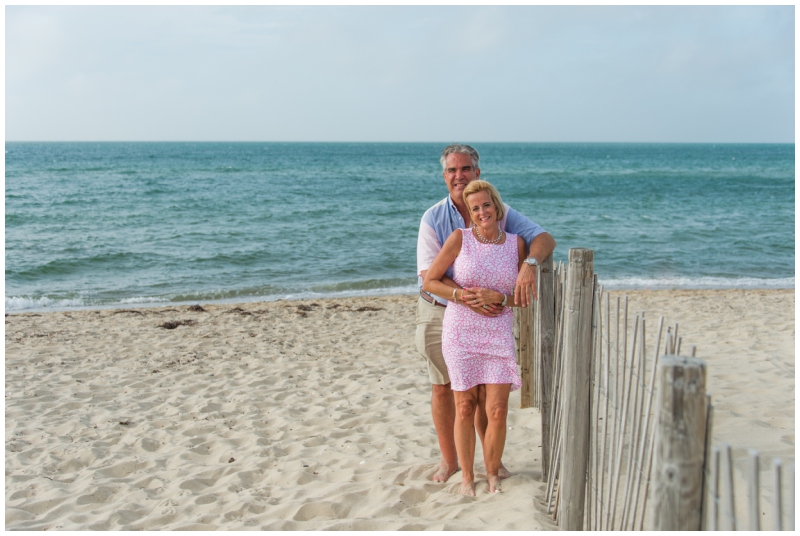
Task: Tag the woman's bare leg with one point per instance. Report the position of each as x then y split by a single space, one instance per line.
495 439
466 402
481 422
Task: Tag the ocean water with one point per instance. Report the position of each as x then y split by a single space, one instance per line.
114 224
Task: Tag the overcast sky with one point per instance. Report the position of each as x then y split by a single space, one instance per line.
525 73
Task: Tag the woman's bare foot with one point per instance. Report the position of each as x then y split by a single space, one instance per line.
494 483
467 488
444 472
503 472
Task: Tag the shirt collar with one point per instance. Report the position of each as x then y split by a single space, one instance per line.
459 219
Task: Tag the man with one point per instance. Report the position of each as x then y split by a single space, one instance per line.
460 166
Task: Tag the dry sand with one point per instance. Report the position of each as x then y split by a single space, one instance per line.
308 415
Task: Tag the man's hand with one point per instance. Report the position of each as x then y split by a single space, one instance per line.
526 285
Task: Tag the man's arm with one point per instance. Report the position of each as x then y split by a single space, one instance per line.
541 247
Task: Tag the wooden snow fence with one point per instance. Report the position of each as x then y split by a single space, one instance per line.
768 507
626 423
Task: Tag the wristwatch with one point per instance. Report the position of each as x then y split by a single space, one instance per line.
531 261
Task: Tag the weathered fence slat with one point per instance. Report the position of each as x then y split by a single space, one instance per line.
626 396
708 440
776 507
754 512
515 332
647 432
727 507
614 428
636 433
606 367
791 498
526 356
714 500
546 350
594 496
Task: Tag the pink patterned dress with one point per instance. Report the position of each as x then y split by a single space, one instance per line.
476 348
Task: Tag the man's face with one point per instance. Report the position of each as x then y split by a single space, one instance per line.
459 172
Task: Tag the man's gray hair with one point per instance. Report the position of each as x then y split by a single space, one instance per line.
462 149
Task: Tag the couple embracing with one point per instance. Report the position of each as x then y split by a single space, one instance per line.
476 258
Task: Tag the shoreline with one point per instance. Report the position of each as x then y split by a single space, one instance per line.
336 296
311 414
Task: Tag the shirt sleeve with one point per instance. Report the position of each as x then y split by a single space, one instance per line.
518 224
428 246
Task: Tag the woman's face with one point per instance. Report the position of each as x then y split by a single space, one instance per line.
481 209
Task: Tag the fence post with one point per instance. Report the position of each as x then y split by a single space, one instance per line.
680 444
526 355
547 338
579 296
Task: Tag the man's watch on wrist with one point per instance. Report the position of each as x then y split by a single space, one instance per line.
531 261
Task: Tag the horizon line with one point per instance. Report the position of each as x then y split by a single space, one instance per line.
420 142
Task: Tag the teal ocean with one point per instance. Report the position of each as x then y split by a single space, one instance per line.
114 224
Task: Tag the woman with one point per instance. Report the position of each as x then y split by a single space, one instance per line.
479 350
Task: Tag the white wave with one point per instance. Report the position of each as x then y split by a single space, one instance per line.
632 283
143 299
353 293
26 303
22 303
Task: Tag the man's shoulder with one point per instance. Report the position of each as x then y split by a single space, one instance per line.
438 206
436 210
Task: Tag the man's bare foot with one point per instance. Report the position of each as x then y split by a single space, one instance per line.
494 483
503 472
444 472
467 488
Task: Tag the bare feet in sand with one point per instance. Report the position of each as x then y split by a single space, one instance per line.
467 488
503 472
444 472
494 483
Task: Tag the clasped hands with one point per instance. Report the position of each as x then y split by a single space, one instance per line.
482 300
487 302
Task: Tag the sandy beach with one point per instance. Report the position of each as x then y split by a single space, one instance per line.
309 415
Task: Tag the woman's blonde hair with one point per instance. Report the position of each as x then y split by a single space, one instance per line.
484 186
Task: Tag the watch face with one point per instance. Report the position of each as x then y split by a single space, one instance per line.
532 262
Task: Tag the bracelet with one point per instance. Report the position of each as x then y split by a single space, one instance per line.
454 293
505 299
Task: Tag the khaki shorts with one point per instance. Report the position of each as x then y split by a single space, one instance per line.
429 340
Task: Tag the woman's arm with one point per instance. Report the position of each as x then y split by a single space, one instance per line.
478 297
432 280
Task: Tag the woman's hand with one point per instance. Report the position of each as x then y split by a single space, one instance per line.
488 310
484 298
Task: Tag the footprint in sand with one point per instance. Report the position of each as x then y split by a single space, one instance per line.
311 510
